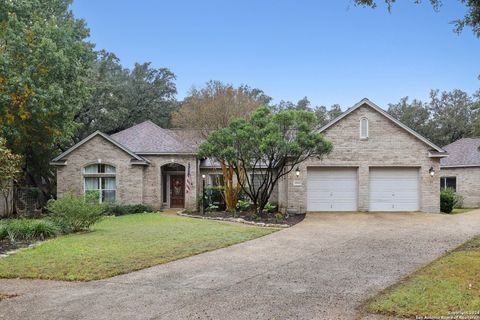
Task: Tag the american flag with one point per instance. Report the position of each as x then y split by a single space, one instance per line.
188 178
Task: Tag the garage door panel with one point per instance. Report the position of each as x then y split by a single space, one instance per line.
332 189
394 189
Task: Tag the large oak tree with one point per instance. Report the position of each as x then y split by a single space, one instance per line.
44 66
122 98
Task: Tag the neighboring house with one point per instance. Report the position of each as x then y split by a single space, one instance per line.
377 164
461 170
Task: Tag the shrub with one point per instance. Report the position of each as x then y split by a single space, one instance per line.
120 210
243 205
214 196
75 213
254 217
269 207
25 229
447 200
211 208
278 217
458 203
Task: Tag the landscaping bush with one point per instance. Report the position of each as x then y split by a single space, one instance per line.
447 200
213 197
458 203
75 213
243 205
120 210
278 218
269 207
25 229
211 208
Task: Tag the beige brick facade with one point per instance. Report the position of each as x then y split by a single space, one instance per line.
468 184
129 178
135 183
388 145
152 187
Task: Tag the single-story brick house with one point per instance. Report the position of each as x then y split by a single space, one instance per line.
461 170
377 164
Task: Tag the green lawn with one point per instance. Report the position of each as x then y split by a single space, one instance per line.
449 284
462 210
119 245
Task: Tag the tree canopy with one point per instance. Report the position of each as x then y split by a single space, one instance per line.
122 97
448 116
323 115
213 106
470 19
44 67
266 147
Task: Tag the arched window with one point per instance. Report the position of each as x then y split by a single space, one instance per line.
100 179
364 128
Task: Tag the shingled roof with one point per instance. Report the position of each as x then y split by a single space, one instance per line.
463 152
148 138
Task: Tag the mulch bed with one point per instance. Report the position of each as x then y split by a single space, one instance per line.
290 220
6 245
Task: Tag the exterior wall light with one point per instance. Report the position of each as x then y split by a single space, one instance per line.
431 171
297 172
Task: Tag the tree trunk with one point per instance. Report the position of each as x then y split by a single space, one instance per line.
231 191
7 207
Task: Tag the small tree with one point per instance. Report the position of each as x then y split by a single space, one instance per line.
212 108
266 147
10 167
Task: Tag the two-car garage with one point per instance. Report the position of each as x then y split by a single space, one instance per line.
336 189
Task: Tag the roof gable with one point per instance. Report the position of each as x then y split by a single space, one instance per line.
464 152
137 158
367 102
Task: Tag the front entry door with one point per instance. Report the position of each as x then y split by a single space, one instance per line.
177 191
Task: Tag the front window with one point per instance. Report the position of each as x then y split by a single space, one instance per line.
448 182
100 179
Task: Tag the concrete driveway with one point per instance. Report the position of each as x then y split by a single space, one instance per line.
322 268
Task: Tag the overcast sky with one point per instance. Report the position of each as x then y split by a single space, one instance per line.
330 51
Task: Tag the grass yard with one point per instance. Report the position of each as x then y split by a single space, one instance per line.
123 244
449 284
462 210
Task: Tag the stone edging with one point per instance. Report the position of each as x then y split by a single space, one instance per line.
15 251
238 220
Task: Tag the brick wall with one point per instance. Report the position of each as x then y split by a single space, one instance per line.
387 145
468 184
152 188
129 178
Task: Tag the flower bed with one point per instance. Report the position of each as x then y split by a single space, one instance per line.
247 218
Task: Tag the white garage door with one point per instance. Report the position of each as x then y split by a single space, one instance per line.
332 189
394 189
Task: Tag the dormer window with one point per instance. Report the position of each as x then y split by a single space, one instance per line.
364 128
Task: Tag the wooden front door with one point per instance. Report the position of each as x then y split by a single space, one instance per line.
177 191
